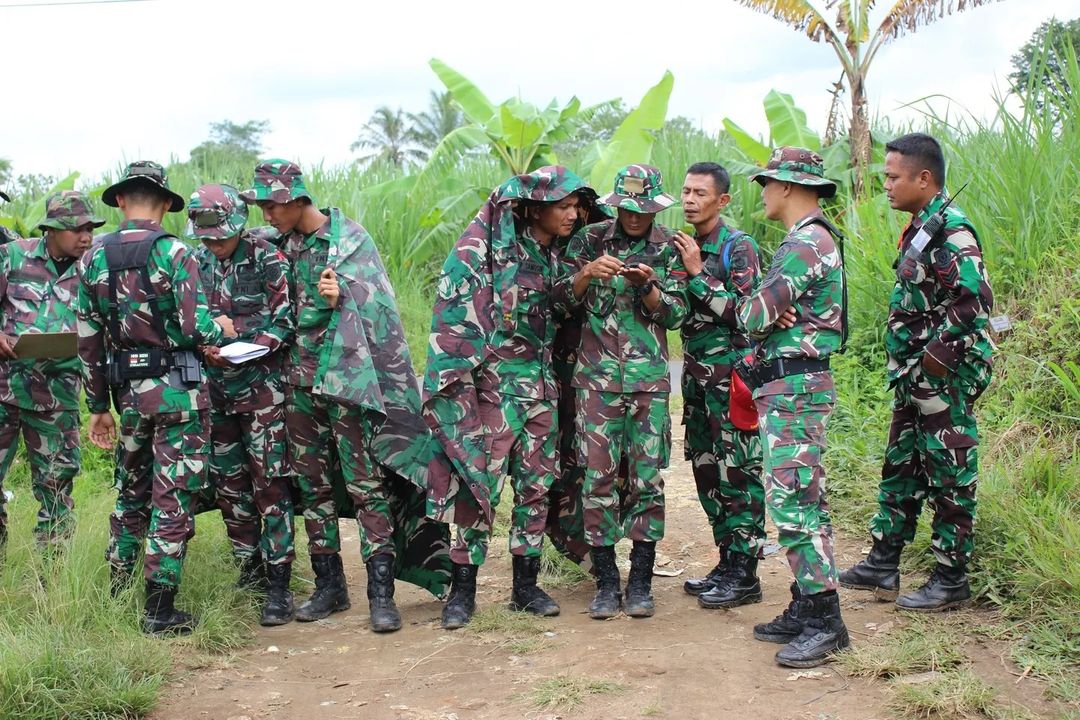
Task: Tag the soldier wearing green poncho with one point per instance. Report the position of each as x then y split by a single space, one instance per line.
490 391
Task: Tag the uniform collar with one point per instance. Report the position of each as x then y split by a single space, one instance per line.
715 239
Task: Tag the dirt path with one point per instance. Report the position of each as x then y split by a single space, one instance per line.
684 662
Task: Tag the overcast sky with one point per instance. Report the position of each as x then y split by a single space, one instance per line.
88 86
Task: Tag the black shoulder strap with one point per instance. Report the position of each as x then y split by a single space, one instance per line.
839 237
132 256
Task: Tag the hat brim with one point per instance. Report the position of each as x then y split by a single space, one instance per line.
77 222
108 197
825 188
638 204
279 195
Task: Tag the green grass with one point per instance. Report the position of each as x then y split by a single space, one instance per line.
920 646
568 692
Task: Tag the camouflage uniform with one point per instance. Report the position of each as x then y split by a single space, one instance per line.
352 404
733 498
621 376
164 425
248 460
40 397
940 306
7 234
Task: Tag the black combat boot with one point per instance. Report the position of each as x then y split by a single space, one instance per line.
380 593
120 577
278 608
331 590
608 598
946 589
738 586
253 574
526 596
823 633
786 626
161 616
880 572
461 604
639 600
696 586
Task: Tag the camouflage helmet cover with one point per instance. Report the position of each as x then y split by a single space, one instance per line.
69 210
148 174
797 165
639 189
215 212
277 180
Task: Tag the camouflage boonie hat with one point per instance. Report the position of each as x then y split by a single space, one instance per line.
639 189
215 212
277 180
149 174
547 184
800 166
69 210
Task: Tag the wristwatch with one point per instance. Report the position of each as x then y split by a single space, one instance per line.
648 286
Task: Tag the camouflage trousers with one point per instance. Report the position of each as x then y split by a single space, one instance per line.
792 429
254 489
330 443
161 463
521 439
932 456
51 439
727 468
611 427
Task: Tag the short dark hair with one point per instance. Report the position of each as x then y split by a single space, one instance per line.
924 151
719 175
142 192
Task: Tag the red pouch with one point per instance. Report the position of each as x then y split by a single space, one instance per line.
741 407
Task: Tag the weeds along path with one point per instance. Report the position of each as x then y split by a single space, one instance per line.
685 662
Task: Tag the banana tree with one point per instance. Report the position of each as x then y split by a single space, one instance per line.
850 36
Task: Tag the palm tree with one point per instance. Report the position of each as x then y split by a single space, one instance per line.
387 135
849 35
442 117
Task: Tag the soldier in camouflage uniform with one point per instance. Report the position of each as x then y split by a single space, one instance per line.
248 280
628 275
490 393
726 459
6 234
939 358
352 403
40 397
795 395
142 313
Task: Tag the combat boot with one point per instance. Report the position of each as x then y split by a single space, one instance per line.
696 586
161 616
526 596
380 592
823 633
738 586
639 601
278 608
253 574
608 598
461 604
120 577
786 626
331 590
946 589
880 572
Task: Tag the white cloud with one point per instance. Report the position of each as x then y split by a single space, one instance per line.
96 84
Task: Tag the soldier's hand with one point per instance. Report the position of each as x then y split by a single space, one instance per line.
691 253
931 366
604 267
7 347
786 319
103 430
212 356
226 324
328 287
639 274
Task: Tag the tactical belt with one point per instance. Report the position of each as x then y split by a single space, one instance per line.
151 362
758 375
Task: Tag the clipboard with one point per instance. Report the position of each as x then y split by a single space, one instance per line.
41 346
